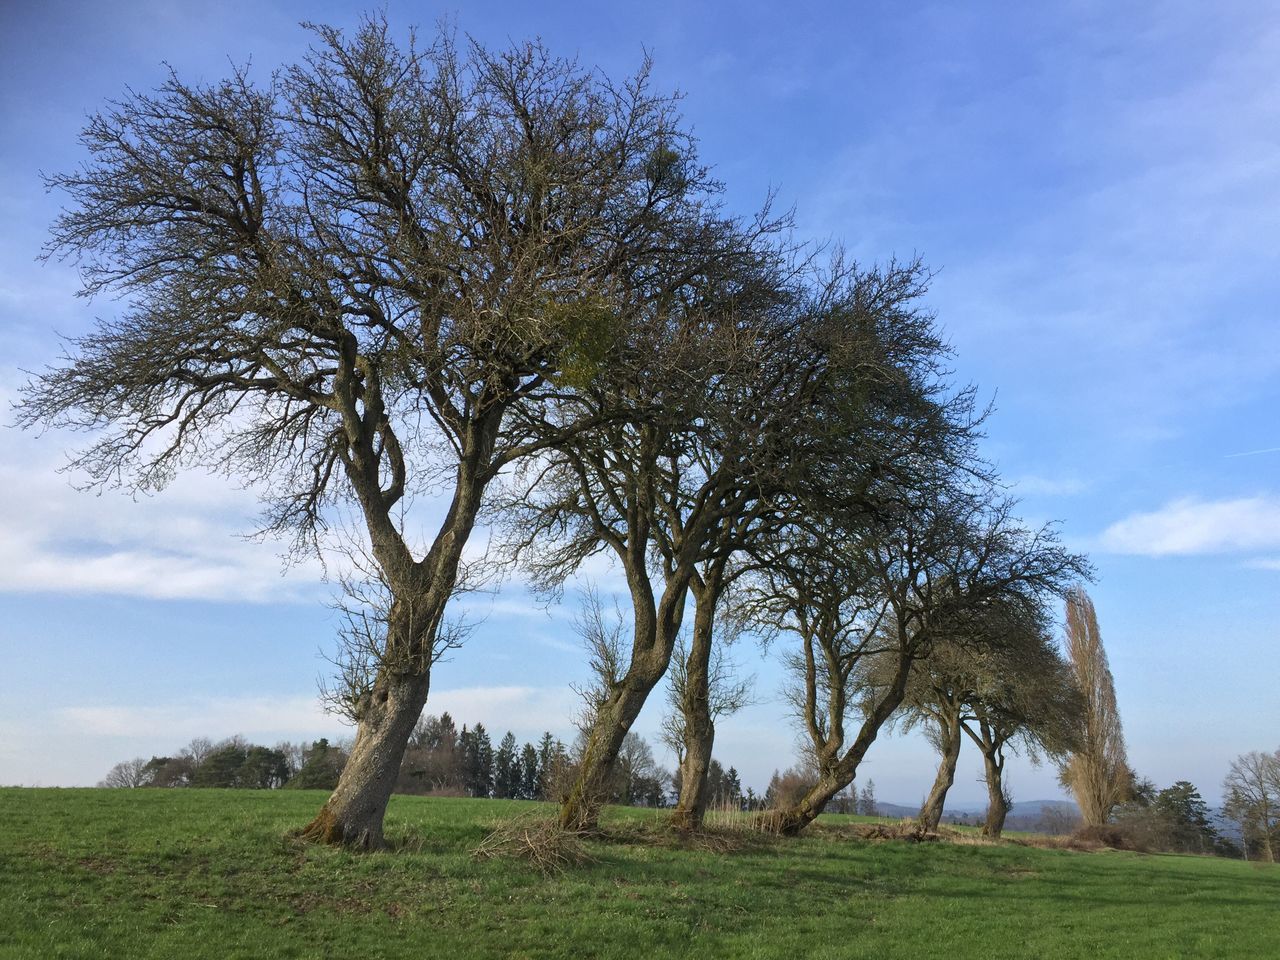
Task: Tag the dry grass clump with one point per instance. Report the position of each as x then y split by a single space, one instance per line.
907 830
723 837
1110 835
537 840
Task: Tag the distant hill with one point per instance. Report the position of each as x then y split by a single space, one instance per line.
1031 815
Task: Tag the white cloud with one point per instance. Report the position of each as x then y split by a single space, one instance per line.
524 710
206 716
185 542
1190 526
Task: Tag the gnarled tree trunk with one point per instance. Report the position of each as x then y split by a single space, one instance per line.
420 591
699 727
997 801
653 639
354 813
931 812
836 770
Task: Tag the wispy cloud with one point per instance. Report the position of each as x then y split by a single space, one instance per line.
1034 485
1191 526
186 542
1264 563
1252 453
274 717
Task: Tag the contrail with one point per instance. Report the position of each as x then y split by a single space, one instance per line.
1252 453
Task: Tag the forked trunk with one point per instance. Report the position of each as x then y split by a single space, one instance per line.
838 771
699 728
387 713
792 820
354 813
931 813
997 801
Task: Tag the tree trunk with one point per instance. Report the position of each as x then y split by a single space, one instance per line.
699 727
931 813
580 808
353 814
387 713
836 771
695 790
792 820
997 803
653 640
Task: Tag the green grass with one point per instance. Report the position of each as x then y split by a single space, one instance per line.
207 873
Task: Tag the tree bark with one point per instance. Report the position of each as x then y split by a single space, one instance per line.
353 814
653 640
931 813
997 804
580 808
699 726
420 591
791 821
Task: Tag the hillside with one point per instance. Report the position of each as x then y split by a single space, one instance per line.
195 873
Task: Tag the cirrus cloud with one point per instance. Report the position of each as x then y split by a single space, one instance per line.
1191 526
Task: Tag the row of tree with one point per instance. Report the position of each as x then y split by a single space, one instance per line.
386 272
236 764
440 760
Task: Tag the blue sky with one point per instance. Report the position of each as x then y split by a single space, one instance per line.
1097 185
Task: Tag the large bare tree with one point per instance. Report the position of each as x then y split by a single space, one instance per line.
769 376
1097 772
1026 700
351 284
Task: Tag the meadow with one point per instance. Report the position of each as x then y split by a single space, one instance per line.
212 873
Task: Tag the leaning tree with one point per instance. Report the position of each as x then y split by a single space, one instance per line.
1002 683
344 282
766 379
884 594
1026 699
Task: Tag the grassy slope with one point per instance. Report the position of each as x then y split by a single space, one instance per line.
195 873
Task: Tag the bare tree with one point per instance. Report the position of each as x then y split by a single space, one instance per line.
1252 799
929 576
1026 699
610 488
937 691
127 773
352 285
1005 686
703 688
750 397
1098 772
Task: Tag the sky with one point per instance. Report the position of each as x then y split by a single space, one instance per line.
1095 184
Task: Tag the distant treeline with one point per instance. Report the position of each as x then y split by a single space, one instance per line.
441 760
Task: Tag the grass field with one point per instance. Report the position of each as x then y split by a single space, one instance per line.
208 873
